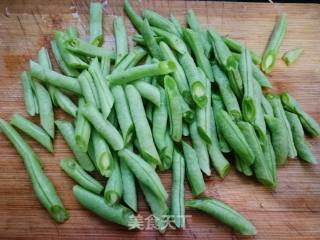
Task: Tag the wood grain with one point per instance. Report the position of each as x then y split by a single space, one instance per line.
290 212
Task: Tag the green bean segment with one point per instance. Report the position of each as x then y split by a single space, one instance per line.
95 24
73 170
32 130
225 214
292 55
114 189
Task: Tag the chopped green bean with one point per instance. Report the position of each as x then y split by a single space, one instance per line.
95 203
302 147
194 42
142 128
133 16
68 133
148 91
73 170
229 99
65 103
121 38
41 184
176 24
95 24
30 100
139 72
234 137
292 55
248 106
309 124
105 65
32 130
56 79
259 123
88 89
193 170
103 126
177 190
270 54
82 129
144 173
224 213
174 108
114 190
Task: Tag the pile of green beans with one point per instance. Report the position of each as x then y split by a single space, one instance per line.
181 99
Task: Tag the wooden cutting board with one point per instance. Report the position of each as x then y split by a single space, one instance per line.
292 211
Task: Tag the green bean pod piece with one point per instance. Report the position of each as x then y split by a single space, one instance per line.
95 203
193 170
135 19
81 177
82 129
32 130
292 55
65 103
95 23
300 143
148 91
30 100
41 184
270 157
308 123
114 189
225 214
121 37
234 137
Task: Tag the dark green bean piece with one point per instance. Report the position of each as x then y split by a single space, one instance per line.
200 147
203 114
95 203
41 184
144 172
225 214
260 165
129 185
194 42
88 88
114 189
150 41
103 158
245 67
73 170
234 137
68 57
300 143
56 79
197 88
174 41
292 55
167 154
103 126
244 167
177 190
132 59
71 72
178 74
176 24
270 157
82 128
159 21
259 123
106 99
68 133
266 106
270 53
309 124
32 130
121 38
79 46
139 72
105 66
138 39
227 61
219 162
229 99
159 122
193 170
148 91
95 24
158 207
142 127
279 138
279 113
30 100
174 108
217 104
45 109
135 19
65 103
194 24
238 47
